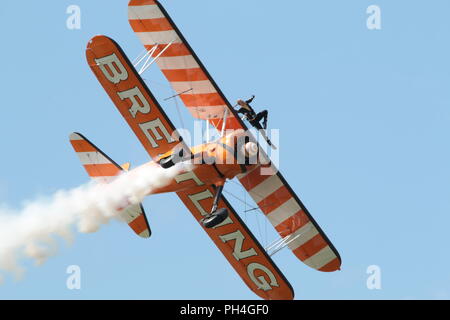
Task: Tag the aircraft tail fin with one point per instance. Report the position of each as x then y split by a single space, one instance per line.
103 169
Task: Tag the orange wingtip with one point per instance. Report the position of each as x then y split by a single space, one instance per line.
141 2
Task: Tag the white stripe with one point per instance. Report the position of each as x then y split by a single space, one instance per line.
263 170
145 234
159 37
177 62
75 136
92 158
131 213
265 188
195 87
243 175
144 12
305 233
283 212
321 258
208 112
125 216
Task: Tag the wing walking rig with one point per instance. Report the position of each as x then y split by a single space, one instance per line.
235 154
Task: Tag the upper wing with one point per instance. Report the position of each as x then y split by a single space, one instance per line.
131 96
184 70
180 65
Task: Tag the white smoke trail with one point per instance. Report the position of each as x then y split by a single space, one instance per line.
30 232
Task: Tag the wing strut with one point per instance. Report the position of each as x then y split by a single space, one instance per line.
281 243
224 122
207 131
149 60
215 217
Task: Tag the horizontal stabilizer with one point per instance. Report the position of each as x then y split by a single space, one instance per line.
103 169
97 164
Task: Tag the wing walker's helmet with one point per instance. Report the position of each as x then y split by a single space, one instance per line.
241 102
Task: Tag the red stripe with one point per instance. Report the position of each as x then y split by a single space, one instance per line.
82 146
333 265
232 124
292 224
151 25
195 74
175 50
254 178
141 2
202 99
275 200
311 247
195 111
101 170
138 225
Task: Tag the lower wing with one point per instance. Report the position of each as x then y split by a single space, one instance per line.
240 247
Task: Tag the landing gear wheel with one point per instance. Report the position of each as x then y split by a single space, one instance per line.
172 160
166 163
215 218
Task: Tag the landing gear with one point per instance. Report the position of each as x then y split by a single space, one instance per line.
173 159
168 162
216 217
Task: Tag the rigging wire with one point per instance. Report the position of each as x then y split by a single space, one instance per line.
168 86
237 198
245 207
177 94
179 113
263 235
139 56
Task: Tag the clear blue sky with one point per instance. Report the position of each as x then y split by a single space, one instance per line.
364 119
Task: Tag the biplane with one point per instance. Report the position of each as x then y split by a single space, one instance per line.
235 154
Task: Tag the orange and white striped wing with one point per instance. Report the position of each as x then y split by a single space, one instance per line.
291 219
103 169
179 64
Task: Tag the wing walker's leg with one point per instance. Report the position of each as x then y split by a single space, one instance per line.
263 133
216 216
